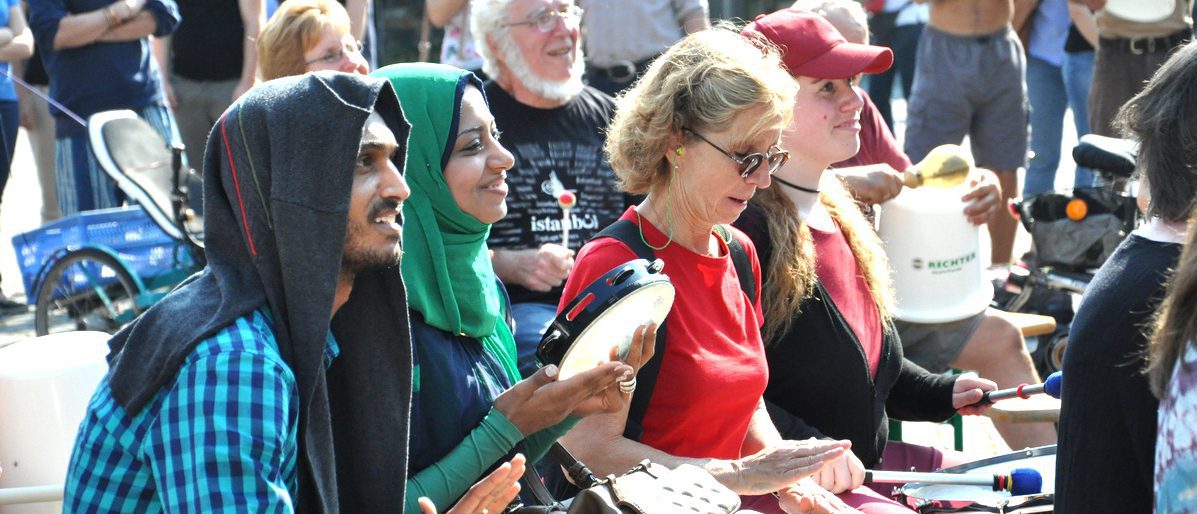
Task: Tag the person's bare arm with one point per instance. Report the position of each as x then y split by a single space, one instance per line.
537 269
598 440
761 431
1094 5
81 29
1023 9
872 183
358 11
253 17
141 25
20 45
696 23
1085 21
441 11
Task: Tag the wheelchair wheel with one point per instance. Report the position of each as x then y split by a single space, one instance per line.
1053 357
86 290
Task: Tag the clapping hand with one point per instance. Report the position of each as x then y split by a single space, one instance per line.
491 495
783 464
806 497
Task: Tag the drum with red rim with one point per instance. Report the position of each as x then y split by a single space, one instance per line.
606 314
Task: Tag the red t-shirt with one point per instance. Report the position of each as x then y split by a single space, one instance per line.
713 371
841 276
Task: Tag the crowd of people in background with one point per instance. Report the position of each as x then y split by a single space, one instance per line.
395 362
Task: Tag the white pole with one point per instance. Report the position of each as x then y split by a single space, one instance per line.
34 494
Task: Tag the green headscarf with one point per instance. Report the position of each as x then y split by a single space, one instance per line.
446 266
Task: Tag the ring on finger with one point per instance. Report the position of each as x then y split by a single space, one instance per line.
627 386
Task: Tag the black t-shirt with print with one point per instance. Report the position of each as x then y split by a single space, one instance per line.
554 148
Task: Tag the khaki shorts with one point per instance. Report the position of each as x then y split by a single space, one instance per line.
935 345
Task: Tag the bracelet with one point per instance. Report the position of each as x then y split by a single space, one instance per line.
110 15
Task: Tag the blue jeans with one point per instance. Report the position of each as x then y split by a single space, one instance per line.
531 322
1078 76
9 123
1048 90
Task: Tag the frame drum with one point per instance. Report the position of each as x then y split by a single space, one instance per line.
606 314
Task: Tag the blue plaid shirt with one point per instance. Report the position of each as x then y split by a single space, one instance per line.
221 437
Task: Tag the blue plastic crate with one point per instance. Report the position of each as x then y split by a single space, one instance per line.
127 231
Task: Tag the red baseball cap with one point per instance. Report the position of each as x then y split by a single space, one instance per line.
811 47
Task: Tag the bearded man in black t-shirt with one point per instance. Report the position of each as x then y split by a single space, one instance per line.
554 125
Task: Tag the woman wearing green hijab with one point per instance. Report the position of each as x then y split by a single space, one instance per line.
470 407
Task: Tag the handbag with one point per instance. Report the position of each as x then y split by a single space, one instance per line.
648 488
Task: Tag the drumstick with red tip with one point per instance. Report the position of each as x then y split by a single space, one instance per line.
1051 386
1019 482
567 200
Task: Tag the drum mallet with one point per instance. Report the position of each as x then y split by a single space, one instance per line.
1020 482
1051 386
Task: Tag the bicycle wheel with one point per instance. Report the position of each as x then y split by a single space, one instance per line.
86 290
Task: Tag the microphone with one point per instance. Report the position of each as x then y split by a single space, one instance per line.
1051 386
1020 482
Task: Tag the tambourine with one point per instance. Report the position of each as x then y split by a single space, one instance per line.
605 314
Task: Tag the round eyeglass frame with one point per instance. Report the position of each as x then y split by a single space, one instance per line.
749 163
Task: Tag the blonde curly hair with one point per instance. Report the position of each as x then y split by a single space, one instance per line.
702 82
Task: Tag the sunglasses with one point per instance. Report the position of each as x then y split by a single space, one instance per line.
749 163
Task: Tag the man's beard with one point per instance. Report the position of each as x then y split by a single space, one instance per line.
359 256
552 90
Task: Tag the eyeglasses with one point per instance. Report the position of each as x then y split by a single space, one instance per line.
545 19
333 57
749 163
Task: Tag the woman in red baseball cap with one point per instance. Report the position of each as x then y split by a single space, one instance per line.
835 360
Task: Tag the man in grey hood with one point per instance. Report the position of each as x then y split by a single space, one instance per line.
236 391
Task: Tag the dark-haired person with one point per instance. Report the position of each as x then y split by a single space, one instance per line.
470 406
236 392
1107 413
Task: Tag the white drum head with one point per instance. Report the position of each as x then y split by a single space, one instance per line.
1141 11
615 327
983 498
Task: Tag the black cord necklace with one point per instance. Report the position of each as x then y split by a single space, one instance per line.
795 186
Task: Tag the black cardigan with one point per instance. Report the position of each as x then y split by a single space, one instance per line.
819 382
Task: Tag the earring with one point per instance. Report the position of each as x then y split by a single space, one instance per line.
678 151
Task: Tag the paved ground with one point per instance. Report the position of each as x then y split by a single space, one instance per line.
21 206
